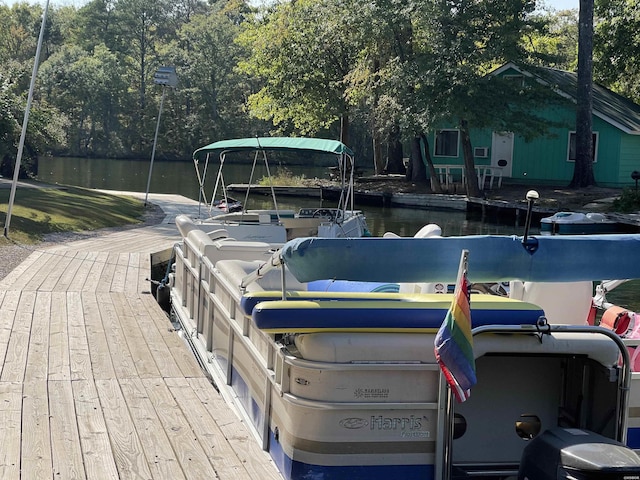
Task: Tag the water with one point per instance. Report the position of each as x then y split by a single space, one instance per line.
180 178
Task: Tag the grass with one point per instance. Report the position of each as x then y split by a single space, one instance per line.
283 178
39 211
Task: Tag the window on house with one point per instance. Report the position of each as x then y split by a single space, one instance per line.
446 144
519 79
572 147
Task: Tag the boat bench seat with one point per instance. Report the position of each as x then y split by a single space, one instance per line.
226 248
235 270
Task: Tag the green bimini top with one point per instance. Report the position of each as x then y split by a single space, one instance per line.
277 143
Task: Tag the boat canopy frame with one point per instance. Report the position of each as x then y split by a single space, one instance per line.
260 146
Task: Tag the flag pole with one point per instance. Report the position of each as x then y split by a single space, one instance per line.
16 169
462 268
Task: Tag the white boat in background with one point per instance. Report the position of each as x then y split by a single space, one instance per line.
276 226
342 383
577 223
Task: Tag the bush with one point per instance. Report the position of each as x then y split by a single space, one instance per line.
283 178
629 201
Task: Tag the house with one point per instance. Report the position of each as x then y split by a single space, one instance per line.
550 159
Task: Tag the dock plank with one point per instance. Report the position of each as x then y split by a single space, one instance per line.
183 357
123 364
53 276
154 336
95 273
15 360
128 453
59 361
135 337
18 277
70 271
256 461
10 429
99 354
66 452
36 435
37 368
152 435
227 464
95 382
192 458
92 429
79 356
82 273
38 273
8 310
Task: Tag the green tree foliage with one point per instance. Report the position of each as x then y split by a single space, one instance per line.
617 46
213 92
301 51
388 70
470 38
87 87
552 39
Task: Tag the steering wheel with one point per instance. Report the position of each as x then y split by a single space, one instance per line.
323 213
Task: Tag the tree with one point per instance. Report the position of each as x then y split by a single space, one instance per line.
617 46
468 39
211 98
583 167
301 51
88 86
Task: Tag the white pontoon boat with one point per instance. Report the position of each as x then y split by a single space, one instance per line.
345 384
276 226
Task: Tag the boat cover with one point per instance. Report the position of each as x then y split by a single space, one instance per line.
277 143
492 258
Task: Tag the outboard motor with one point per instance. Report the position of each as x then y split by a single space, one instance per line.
573 453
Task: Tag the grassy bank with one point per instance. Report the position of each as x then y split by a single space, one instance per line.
39 211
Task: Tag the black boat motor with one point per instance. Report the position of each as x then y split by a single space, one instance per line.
577 454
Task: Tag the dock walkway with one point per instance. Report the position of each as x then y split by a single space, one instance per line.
96 384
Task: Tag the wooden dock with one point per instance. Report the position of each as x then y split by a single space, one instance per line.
95 383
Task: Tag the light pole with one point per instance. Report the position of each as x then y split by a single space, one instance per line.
165 76
16 168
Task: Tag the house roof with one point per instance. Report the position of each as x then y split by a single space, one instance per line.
614 109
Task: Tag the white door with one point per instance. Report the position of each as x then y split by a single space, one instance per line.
502 152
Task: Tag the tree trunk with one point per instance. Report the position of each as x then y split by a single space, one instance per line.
378 160
394 158
436 186
416 171
344 129
473 189
583 167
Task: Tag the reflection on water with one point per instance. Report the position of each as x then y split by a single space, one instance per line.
180 178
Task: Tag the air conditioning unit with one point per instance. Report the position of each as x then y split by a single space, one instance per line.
481 152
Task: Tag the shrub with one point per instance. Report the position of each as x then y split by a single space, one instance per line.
629 201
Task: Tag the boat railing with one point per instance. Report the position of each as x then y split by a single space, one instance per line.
540 330
209 298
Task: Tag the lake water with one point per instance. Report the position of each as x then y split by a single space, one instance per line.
180 178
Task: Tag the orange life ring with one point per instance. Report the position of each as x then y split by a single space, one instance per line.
616 319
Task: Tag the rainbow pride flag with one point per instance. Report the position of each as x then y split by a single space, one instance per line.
454 342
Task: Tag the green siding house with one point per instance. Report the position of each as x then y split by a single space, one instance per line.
505 156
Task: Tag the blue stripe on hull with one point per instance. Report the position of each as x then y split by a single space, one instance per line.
633 438
294 470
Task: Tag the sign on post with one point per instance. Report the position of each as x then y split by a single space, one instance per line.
166 76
